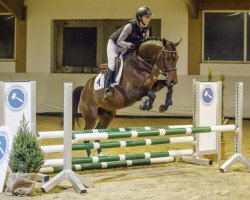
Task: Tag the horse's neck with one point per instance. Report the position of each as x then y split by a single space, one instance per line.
134 80
143 61
149 53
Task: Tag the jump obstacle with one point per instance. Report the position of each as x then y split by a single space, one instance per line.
132 132
146 158
128 134
130 159
147 130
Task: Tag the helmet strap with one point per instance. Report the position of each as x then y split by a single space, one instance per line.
140 20
143 23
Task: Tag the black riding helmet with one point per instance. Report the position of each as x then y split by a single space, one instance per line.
143 11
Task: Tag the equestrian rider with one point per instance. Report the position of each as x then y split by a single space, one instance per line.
122 40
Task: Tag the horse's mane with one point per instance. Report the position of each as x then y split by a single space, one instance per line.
156 41
152 39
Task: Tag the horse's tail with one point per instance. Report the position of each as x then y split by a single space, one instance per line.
75 103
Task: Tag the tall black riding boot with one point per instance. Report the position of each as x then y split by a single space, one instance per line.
107 92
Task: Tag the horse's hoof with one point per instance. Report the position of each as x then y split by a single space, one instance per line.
163 108
144 107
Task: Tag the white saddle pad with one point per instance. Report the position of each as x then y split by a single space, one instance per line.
99 80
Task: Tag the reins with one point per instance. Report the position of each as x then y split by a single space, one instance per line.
154 69
145 65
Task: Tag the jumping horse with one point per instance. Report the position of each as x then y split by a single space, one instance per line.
139 79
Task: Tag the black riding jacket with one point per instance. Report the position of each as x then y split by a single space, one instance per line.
134 37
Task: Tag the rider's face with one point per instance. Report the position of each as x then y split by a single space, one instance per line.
146 20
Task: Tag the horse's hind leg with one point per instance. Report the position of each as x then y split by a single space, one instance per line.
105 117
90 121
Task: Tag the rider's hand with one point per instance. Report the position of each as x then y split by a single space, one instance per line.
133 47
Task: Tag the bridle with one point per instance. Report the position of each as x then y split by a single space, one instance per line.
165 69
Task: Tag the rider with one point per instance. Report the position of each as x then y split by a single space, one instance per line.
123 39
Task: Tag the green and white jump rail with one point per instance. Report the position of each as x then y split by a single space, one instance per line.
105 165
157 132
121 157
59 134
114 144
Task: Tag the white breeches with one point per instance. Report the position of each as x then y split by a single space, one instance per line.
112 53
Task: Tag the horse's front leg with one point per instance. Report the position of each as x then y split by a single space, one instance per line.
168 101
148 104
159 84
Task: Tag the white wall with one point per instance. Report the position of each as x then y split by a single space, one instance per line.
8 66
49 95
228 69
174 18
40 13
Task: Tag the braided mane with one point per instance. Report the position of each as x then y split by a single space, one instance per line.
152 39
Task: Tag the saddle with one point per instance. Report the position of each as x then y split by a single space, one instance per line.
103 67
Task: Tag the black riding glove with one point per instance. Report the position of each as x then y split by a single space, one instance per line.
133 47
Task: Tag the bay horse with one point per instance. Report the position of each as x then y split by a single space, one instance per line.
139 79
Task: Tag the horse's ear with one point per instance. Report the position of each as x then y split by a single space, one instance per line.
164 42
176 44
